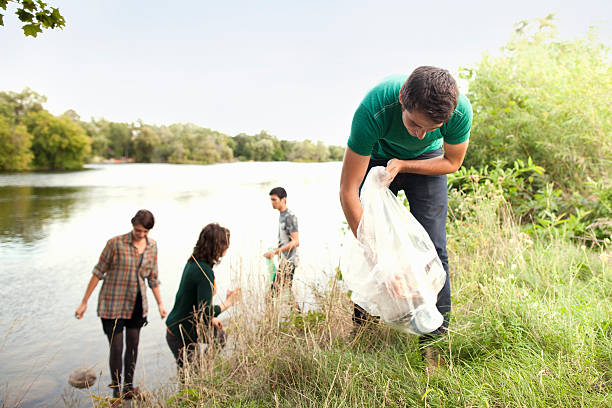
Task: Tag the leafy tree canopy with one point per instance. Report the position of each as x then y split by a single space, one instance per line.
58 142
15 143
17 105
36 15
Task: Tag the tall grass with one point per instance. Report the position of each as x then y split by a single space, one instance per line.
531 327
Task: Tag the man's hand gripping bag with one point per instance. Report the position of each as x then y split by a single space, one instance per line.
392 268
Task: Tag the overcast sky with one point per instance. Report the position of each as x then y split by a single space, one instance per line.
297 69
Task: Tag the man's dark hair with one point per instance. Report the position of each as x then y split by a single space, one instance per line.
212 242
144 218
279 192
432 91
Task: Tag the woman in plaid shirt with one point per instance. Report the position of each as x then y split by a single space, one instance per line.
126 261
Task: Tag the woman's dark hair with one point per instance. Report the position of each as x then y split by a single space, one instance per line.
432 91
213 241
144 218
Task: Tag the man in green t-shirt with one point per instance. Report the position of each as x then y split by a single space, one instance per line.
418 128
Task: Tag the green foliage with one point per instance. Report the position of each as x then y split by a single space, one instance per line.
187 397
303 321
243 147
15 142
584 216
58 142
336 153
16 106
145 141
259 147
119 139
306 151
97 130
545 99
188 143
265 147
36 15
32 137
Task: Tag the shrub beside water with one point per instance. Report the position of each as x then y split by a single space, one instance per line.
545 98
533 199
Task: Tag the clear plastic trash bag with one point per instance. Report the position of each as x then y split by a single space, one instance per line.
392 268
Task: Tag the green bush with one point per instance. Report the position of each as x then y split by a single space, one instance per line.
535 201
545 99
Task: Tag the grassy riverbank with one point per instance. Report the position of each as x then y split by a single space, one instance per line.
531 327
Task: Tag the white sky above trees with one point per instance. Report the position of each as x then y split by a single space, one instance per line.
297 69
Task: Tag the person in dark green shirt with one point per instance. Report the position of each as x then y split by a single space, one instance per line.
418 128
193 318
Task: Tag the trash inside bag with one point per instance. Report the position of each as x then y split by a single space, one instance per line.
392 268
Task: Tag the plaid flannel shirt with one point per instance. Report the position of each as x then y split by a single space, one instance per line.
118 268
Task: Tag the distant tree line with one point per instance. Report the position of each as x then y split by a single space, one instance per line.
33 138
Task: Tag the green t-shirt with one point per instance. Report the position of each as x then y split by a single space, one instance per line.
195 293
378 130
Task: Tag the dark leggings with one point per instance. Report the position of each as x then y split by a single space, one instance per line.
114 330
428 199
115 341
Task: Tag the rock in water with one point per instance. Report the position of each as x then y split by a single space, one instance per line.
82 378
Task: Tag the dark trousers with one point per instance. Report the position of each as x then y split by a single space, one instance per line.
180 345
428 199
283 277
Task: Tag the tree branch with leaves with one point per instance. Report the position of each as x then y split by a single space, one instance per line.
36 15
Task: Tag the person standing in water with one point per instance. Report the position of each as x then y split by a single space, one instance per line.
288 241
126 261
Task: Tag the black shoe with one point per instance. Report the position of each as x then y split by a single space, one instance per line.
133 393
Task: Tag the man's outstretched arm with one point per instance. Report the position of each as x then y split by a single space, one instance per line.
354 168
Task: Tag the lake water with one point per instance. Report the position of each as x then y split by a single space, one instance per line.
53 227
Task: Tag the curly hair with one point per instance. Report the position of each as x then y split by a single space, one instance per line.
432 91
213 241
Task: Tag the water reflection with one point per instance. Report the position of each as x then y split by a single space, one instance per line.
25 211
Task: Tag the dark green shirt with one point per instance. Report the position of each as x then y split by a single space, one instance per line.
193 298
378 130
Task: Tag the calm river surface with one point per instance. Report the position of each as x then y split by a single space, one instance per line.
53 227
